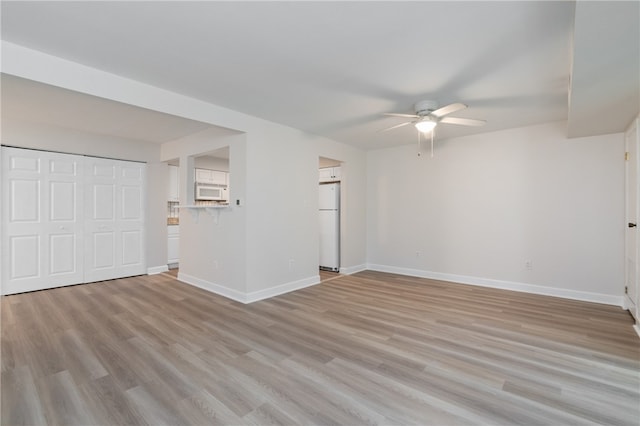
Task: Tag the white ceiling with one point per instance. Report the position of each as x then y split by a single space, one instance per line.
25 99
333 68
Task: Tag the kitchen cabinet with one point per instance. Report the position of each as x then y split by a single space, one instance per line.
329 174
174 184
173 244
214 177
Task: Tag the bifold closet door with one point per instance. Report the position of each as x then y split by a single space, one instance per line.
42 228
114 219
69 219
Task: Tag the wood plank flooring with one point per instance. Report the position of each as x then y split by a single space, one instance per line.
369 348
327 275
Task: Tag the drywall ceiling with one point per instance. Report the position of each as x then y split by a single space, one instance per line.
605 82
26 100
333 68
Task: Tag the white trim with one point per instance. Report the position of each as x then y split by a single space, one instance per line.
248 297
631 277
281 289
504 285
157 269
212 287
353 269
637 329
629 306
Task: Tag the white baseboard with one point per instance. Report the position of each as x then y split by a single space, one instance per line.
221 290
157 269
255 296
353 269
281 289
504 285
637 329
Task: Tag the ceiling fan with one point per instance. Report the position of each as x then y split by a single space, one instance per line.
428 115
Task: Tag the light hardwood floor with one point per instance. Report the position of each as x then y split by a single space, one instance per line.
369 348
328 275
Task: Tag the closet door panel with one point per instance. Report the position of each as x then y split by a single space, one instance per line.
131 243
63 254
24 256
103 248
115 213
24 198
41 220
132 218
62 201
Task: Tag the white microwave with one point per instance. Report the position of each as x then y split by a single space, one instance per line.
210 192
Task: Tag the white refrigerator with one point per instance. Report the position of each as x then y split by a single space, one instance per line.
329 205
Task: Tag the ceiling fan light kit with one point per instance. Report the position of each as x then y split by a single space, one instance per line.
426 125
428 115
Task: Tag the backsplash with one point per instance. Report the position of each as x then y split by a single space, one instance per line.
173 213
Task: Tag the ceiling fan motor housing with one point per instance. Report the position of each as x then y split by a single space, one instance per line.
425 107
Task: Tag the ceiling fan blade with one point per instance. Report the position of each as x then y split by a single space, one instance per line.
396 126
463 121
448 109
393 114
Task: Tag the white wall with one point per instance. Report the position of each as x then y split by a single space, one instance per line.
273 237
282 221
269 244
212 248
486 204
269 216
282 213
475 213
27 134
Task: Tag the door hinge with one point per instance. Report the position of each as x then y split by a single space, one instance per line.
626 156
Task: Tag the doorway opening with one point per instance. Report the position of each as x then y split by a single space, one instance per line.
173 214
330 203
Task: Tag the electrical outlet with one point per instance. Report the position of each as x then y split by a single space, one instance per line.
528 265
215 264
291 264
418 254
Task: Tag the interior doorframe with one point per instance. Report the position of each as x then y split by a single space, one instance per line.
629 304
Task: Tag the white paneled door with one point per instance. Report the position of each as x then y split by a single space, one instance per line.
114 219
42 229
69 219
